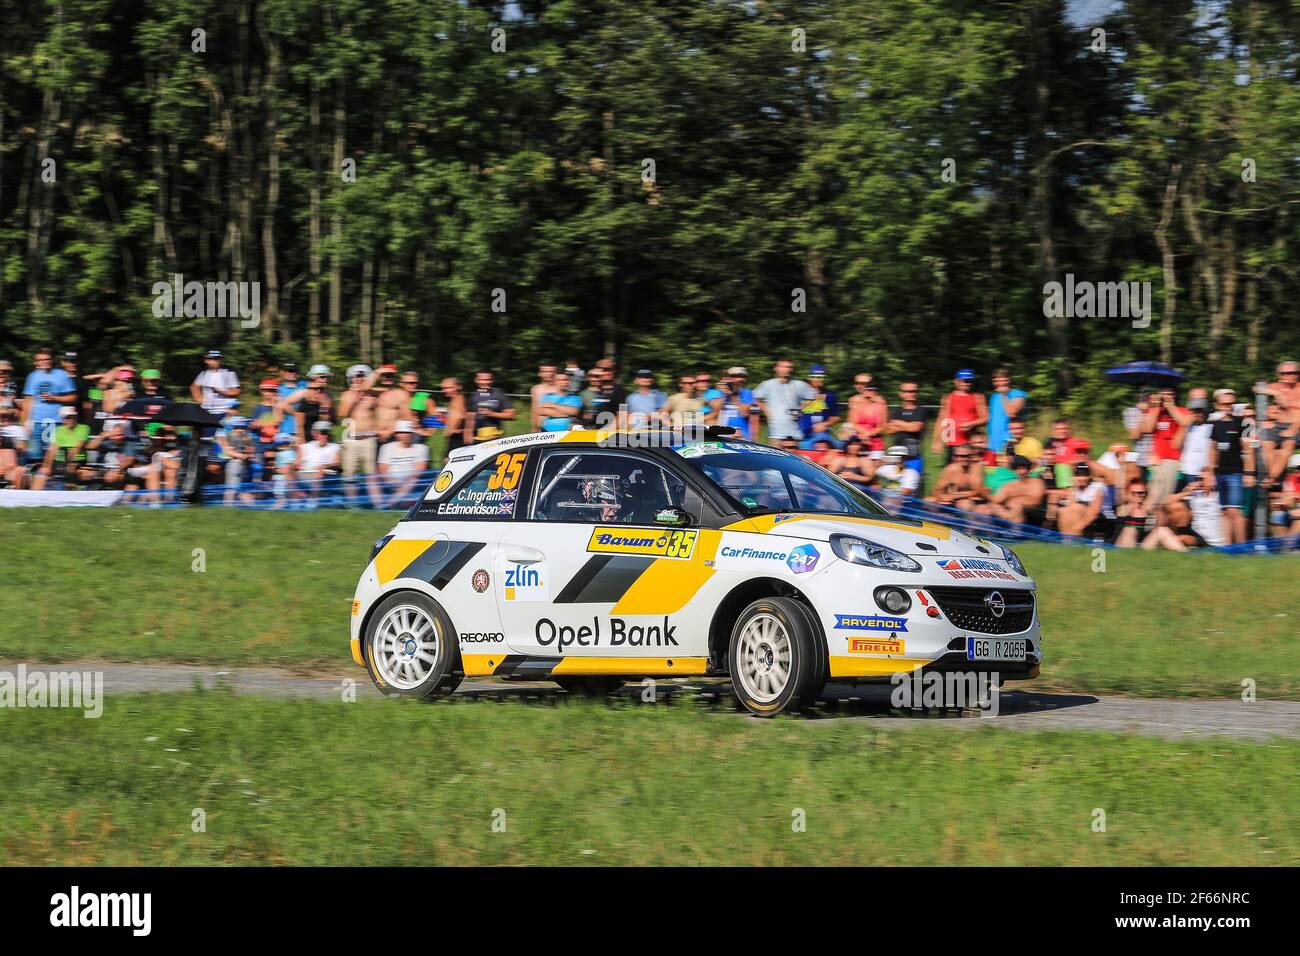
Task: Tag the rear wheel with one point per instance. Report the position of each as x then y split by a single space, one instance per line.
410 647
777 657
589 686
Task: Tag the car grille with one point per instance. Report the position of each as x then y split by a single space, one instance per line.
966 609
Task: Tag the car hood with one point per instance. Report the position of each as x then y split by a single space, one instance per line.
920 539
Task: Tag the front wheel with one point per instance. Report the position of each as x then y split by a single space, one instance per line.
410 647
777 657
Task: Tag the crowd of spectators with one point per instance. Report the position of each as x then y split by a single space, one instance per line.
1185 478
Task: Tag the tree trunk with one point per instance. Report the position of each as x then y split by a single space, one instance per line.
270 266
1167 266
313 245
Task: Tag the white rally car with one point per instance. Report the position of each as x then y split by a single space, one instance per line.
593 558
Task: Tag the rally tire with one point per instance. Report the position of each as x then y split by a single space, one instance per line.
410 647
777 657
590 686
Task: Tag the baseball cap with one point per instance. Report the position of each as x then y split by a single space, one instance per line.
237 421
1020 461
151 373
318 370
284 439
126 375
897 451
1220 392
1118 448
213 353
965 374
1082 468
269 385
70 356
403 427
289 367
355 370
644 373
68 412
320 427
1293 461
737 370
817 370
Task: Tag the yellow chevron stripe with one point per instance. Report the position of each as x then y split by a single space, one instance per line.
668 585
639 666
484 665
481 665
396 555
872 666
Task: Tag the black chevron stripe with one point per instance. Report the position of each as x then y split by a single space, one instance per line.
604 579
438 566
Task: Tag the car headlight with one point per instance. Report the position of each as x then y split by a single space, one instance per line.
860 551
1013 559
379 546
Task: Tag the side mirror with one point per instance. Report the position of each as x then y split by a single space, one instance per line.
675 517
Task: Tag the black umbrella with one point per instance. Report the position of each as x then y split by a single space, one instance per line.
185 413
144 407
1145 373
166 412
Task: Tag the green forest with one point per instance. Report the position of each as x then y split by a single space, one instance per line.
884 185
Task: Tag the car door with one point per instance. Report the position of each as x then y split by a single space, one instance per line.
450 542
572 573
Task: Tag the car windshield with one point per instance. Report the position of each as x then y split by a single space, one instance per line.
766 480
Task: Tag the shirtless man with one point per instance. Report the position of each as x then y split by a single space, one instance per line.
393 403
359 409
961 484
453 413
1082 502
1286 390
1024 498
545 375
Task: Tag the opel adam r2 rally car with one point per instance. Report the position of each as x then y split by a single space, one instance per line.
594 558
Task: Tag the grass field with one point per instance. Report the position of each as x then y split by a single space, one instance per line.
118 584
580 782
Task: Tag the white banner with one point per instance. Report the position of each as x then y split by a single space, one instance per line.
57 499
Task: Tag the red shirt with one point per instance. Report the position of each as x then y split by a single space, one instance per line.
1166 431
962 410
1069 450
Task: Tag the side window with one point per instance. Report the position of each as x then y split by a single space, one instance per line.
490 495
604 487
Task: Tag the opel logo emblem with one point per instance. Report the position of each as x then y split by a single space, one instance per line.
993 601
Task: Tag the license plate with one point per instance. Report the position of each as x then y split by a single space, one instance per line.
994 649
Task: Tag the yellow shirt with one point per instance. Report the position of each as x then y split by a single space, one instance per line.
1029 447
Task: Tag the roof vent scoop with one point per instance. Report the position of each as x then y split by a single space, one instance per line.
926 547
